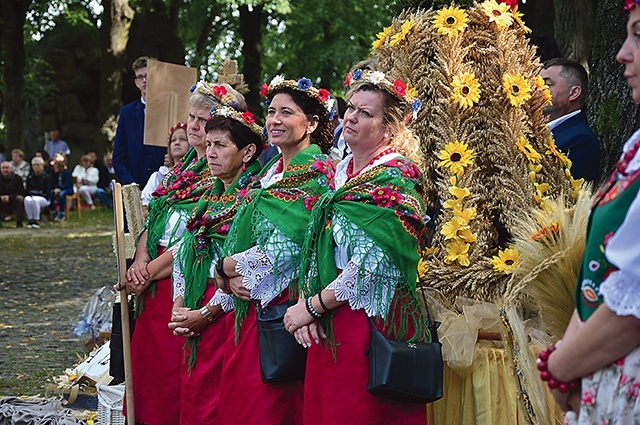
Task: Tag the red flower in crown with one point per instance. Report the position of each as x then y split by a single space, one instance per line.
630 4
400 87
219 91
347 80
248 117
264 89
512 3
323 95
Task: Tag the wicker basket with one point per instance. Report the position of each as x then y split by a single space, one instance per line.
110 400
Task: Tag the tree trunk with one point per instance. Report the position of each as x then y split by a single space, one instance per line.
116 22
14 13
252 21
573 23
611 109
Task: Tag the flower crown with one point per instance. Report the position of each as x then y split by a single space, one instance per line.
397 88
305 86
245 118
219 92
182 125
630 4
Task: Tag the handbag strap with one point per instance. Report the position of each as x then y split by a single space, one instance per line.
433 326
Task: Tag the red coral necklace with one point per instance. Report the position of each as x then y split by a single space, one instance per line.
626 159
351 174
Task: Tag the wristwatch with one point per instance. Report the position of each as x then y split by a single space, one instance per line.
206 314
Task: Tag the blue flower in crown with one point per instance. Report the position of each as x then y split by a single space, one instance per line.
332 114
416 105
357 74
193 88
212 110
265 132
304 83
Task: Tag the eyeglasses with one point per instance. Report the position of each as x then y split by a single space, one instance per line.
141 77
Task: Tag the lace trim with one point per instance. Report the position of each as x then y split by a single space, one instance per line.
176 273
369 279
223 300
256 268
621 293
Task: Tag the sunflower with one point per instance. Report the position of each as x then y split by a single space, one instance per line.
498 13
528 150
506 261
404 30
450 21
382 37
517 88
456 156
422 269
465 90
544 88
517 16
457 250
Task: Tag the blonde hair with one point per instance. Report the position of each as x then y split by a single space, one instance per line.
395 113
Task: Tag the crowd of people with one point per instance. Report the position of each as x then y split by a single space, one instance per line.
37 190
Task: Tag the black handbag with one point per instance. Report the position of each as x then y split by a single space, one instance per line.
406 371
281 357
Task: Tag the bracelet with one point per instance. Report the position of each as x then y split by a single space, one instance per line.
545 375
322 304
226 285
206 314
220 268
312 311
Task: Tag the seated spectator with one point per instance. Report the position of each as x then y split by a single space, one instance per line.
11 194
38 188
108 162
178 145
88 177
62 185
103 192
48 162
20 166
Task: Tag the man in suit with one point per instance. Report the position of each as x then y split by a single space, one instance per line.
568 84
133 161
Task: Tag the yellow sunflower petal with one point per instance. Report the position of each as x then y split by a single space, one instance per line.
465 90
517 88
450 21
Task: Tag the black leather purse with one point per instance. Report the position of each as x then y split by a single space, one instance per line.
406 371
281 357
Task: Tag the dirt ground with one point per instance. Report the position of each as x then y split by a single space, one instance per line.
46 277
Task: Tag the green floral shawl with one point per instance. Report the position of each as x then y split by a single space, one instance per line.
385 204
285 204
179 191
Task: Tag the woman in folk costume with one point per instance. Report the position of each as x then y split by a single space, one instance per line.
360 259
234 143
264 245
595 369
156 353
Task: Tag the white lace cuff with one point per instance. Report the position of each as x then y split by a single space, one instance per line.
621 293
256 269
345 289
223 300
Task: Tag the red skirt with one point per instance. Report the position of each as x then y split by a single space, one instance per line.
335 391
201 385
156 355
245 398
